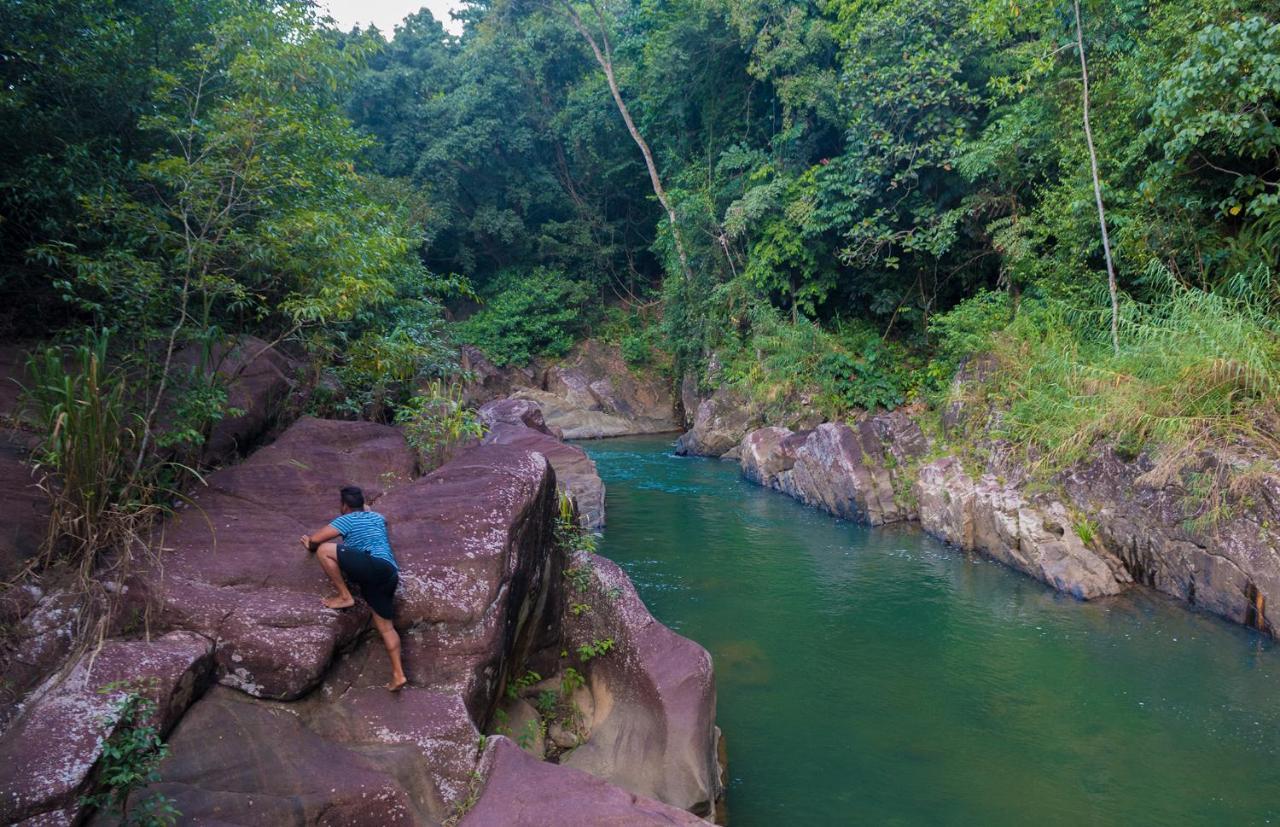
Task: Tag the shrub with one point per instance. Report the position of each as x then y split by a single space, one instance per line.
538 313
130 760
436 422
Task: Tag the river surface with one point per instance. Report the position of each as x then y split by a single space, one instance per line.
875 676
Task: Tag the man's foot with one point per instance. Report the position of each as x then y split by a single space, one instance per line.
397 684
339 602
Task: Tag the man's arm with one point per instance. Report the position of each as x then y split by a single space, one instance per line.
312 541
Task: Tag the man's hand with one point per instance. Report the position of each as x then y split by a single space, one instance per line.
306 542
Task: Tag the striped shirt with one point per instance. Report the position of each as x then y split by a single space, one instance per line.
366 531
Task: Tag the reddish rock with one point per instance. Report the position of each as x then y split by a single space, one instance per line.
860 472
521 791
575 471
234 571
652 713
47 755
24 508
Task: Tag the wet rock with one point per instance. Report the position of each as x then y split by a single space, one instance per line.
575 471
1037 536
719 423
47 755
520 791
860 472
652 717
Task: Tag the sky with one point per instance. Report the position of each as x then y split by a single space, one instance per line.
385 14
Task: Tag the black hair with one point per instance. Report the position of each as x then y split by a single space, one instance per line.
353 498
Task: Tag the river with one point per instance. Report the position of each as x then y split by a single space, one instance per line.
875 676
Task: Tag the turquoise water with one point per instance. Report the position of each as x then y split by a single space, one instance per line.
875 676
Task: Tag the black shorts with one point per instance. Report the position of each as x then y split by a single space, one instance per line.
376 578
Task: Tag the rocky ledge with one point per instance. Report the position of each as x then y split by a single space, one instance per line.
1092 531
296 727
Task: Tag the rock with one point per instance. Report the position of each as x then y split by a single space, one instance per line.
720 423
652 726
575 471
594 376
488 381
47 755
1035 536
860 472
591 393
259 380
44 630
524 412
520 791
24 508
1230 566
234 571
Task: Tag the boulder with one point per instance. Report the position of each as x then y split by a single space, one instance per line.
259 380
43 630
575 422
653 699
487 381
1035 535
47 756
860 472
521 791
24 508
508 424
719 423
234 571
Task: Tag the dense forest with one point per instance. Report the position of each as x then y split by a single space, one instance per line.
828 203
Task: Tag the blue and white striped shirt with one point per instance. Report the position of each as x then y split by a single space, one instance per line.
366 531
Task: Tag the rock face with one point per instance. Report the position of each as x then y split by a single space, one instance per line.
1220 552
46 758
519 423
591 393
719 423
1037 536
521 791
300 729
234 571
653 701
858 472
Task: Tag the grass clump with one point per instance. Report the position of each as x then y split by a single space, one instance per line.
1195 368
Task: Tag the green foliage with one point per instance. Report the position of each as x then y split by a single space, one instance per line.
595 648
88 456
1195 368
131 754
968 327
436 422
515 687
527 314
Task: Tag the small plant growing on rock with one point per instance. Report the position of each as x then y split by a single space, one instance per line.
594 649
515 687
131 756
1086 530
571 682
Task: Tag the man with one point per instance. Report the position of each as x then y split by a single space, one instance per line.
365 558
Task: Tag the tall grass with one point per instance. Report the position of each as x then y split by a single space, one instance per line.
1195 368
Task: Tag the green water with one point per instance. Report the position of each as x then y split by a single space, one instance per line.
874 676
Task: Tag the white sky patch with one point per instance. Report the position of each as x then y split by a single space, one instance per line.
387 14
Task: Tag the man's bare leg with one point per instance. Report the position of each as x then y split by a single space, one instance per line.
391 639
327 554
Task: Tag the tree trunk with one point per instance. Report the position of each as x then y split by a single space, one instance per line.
1097 187
604 56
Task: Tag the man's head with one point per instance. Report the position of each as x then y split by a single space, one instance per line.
352 499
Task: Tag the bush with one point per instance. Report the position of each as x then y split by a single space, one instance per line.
538 313
436 422
969 326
